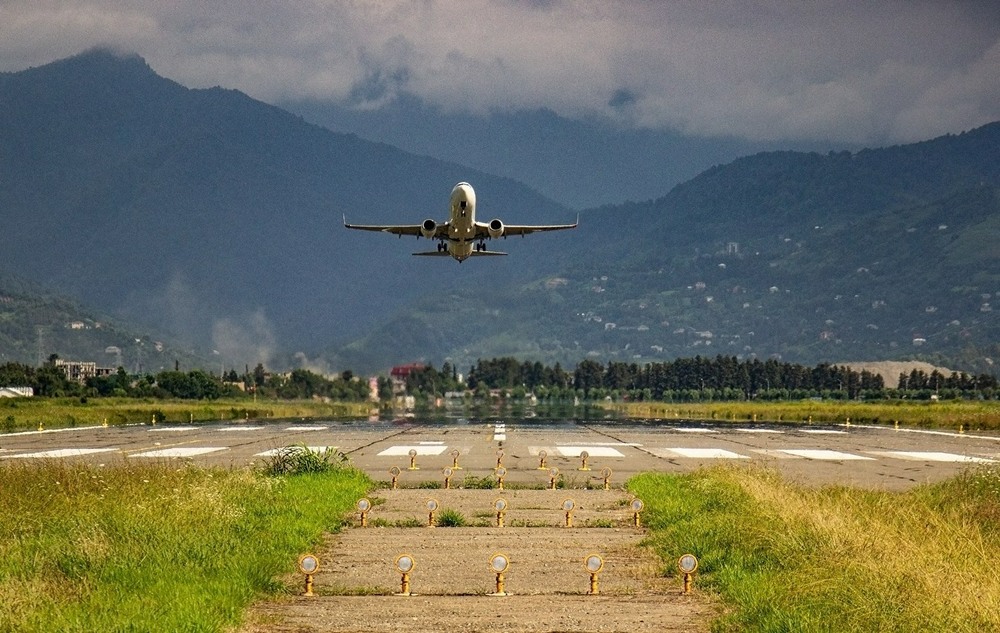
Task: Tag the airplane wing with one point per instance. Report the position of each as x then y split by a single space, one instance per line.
440 230
483 228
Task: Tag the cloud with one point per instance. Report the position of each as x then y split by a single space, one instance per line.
898 70
244 341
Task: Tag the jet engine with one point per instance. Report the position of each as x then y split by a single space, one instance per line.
428 228
495 228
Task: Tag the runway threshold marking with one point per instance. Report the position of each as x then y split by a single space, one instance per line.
823 454
314 449
181 451
422 449
933 456
696 453
306 428
61 452
593 451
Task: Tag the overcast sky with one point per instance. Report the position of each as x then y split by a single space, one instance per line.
851 71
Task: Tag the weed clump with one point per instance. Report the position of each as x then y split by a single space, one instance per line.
300 459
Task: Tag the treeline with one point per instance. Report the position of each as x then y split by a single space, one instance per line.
50 381
719 378
683 380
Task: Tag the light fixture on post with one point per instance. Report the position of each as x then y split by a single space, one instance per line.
568 505
308 565
553 476
606 474
541 460
584 455
499 563
636 506
454 459
432 506
405 565
500 473
594 565
687 564
394 473
364 505
447 478
501 507
413 459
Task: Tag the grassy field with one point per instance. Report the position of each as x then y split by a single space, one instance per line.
788 558
154 548
969 415
22 414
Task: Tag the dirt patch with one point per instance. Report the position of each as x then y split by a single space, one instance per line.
547 583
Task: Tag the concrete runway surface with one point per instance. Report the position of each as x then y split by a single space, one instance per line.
859 455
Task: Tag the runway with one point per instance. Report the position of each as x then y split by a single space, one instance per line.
867 456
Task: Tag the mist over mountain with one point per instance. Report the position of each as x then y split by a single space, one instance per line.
216 220
582 164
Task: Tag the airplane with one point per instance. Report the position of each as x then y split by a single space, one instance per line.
461 236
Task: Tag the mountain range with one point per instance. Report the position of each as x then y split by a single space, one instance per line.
215 221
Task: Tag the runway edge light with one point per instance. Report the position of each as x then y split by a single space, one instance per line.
594 564
499 564
405 564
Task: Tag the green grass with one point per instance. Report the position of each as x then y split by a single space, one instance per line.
970 415
789 558
154 547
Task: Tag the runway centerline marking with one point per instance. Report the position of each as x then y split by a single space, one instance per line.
306 428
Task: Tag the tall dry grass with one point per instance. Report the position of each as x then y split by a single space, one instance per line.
790 558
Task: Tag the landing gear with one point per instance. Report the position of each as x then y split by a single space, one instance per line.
442 247
481 247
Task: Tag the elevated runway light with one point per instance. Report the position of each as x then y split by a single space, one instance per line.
687 564
500 473
413 459
584 455
394 472
432 506
454 459
364 505
606 474
553 475
568 505
405 564
501 508
541 460
499 458
308 565
636 506
499 564
447 478
594 565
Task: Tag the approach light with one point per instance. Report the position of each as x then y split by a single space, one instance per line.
636 506
405 564
308 565
454 459
568 505
500 473
584 455
501 507
364 505
553 475
541 460
606 473
594 565
687 564
394 472
499 457
499 563
432 506
447 478
413 459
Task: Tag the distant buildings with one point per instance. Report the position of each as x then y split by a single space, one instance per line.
80 371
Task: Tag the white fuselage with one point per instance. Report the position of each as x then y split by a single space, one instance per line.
462 227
